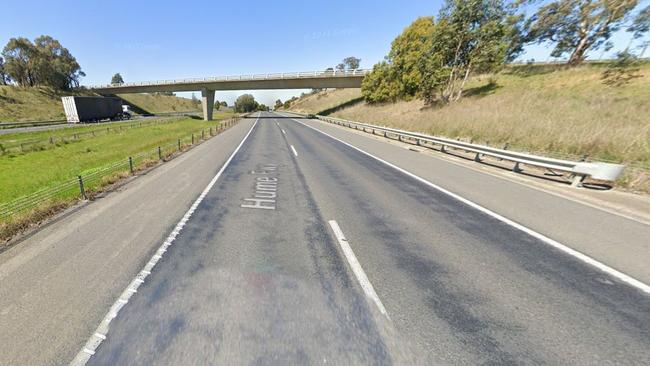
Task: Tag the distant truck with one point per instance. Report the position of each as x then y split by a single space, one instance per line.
94 109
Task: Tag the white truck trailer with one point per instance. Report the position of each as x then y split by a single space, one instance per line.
93 109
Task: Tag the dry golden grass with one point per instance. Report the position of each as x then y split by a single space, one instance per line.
314 103
555 111
44 104
30 104
156 103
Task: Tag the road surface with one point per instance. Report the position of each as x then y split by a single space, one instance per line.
257 276
307 251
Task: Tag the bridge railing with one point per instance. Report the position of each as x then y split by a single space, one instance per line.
273 76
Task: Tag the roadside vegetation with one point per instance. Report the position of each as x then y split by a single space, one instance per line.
321 102
23 174
451 75
434 57
35 75
246 103
18 104
548 109
20 142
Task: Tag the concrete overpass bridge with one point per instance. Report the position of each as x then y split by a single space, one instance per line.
208 86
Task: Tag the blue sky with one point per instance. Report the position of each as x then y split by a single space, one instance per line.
151 40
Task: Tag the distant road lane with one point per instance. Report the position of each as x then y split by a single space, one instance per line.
409 276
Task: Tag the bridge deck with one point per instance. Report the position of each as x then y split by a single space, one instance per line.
295 80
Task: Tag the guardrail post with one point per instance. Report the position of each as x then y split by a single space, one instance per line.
516 168
159 153
131 164
577 180
505 147
477 158
81 187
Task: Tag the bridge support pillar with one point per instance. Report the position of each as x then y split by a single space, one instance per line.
207 99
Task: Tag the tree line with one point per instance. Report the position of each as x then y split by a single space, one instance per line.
433 57
246 103
44 62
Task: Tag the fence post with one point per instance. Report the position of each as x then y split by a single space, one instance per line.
131 164
211 132
159 153
81 187
179 144
192 139
202 135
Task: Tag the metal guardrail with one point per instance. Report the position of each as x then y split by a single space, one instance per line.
274 76
11 125
578 170
4 125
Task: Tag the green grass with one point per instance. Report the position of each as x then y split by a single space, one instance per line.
42 138
25 173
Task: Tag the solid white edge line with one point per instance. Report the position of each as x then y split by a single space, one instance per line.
356 267
576 254
294 150
102 330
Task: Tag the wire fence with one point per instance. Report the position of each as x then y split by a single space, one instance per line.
90 182
43 143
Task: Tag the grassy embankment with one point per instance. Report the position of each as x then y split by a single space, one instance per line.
545 109
32 171
43 104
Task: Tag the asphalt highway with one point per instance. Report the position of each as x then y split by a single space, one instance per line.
305 250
